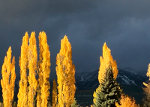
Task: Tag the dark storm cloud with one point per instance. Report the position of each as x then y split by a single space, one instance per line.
123 24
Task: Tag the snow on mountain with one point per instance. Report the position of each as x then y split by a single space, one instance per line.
125 77
126 80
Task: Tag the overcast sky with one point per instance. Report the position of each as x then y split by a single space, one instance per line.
123 24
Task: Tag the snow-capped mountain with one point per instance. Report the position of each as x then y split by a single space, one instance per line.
130 81
89 80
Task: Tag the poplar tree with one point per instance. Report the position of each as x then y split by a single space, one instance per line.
23 62
43 71
105 61
65 71
54 94
32 66
8 79
126 101
109 90
146 99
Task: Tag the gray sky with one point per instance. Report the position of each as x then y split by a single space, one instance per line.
123 24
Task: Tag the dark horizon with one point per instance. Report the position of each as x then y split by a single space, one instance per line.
88 24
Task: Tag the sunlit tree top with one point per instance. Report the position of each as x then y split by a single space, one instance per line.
107 60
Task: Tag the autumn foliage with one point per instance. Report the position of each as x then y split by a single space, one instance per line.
146 89
126 102
28 71
43 71
23 62
32 66
106 60
54 94
65 71
8 79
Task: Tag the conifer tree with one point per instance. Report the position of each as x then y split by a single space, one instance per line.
23 62
108 91
8 79
54 94
32 66
65 71
126 102
44 71
105 61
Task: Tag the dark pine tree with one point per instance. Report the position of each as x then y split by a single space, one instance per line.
108 91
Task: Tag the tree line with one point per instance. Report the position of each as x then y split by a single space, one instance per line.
34 85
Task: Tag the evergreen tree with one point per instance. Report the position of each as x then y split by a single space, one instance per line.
108 91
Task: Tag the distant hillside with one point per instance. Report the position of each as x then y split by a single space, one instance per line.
130 82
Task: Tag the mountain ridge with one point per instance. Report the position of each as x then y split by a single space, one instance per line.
130 81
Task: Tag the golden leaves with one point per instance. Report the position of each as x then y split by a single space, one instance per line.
106 60
23 63
28 62
44 71
148 72
8 79
126 102
65 71
54 94
32 66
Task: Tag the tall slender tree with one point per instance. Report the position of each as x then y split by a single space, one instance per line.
65 71
44 71
105 61
109 90
32 66
8 79
23 62
54 94
146 99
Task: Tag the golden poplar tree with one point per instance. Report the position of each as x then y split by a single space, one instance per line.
8 79
148 75
65 71
126 102
23 62
107 60
44 71
148 72
54 94
107 78
32 66
146 99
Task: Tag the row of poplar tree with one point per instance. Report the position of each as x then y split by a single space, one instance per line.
34 86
